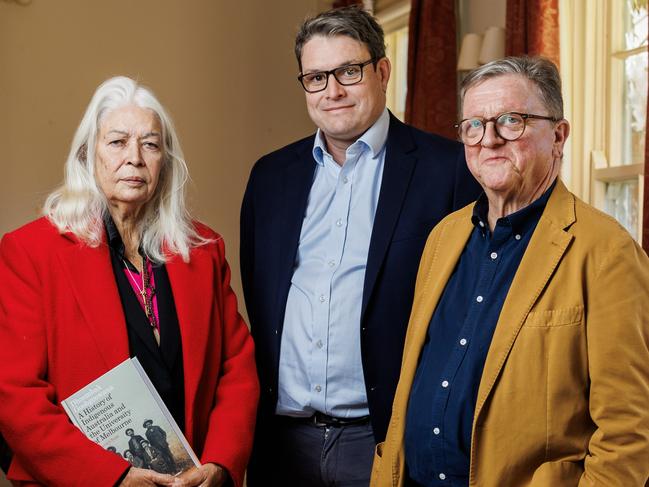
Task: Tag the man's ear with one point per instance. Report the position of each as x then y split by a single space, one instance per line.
383 69
561 132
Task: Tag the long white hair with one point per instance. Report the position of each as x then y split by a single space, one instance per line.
79 205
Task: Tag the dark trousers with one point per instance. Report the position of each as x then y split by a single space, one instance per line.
301 454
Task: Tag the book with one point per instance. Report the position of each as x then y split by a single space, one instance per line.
122 412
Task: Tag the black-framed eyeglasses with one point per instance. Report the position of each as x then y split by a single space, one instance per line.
346 75
509 126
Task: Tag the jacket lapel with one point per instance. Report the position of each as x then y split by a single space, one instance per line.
397 171
432 277
546 248
90 274
449 248
192 286
298 179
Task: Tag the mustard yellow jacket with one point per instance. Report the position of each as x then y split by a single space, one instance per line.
564 394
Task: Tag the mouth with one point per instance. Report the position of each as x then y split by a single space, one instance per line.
337 108
133 181
494 160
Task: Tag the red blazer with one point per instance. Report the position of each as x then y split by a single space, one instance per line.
62 326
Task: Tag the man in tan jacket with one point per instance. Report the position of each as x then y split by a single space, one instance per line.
526 360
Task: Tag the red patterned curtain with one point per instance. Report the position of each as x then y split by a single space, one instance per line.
532 27
432 57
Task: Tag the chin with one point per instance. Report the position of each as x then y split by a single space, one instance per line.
133 199
345 131
499 185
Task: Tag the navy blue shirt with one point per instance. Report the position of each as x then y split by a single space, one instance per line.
443 395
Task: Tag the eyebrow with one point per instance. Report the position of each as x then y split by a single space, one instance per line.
322 70
118 132
126 134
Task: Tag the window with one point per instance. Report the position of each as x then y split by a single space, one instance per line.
617 178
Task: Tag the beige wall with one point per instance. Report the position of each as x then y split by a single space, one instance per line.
477 15
224 69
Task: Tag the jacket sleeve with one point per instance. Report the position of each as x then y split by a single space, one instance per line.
47 447
617 323
232 420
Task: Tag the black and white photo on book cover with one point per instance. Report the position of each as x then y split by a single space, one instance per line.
122 411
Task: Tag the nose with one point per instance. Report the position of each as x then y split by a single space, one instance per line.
491 138
134 153
334 89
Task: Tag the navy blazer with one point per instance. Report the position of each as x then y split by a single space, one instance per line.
424 178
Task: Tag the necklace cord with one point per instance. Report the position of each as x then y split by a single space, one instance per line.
146 293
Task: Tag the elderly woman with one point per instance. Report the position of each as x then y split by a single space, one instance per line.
526 360
117 268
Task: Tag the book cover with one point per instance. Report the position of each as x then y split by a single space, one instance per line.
122 411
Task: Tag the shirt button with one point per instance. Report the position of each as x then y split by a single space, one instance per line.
332 263
442 476
436 431
481 224
339 223
345 180
517 236
494 255
463 341
319 344
322 298
445 383
479 299
318 388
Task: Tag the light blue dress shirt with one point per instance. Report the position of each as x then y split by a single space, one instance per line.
320 366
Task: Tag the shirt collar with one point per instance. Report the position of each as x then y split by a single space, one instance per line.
374 139
113 237
115 242
520 221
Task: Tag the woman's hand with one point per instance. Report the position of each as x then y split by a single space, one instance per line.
208 475
141 477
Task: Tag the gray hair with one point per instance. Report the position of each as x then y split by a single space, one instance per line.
351 21
79 206
540 71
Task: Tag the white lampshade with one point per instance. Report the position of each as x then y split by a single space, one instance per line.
469 52
493 45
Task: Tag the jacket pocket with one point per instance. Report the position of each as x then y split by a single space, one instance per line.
555 317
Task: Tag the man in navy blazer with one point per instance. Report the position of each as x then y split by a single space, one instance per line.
332 229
